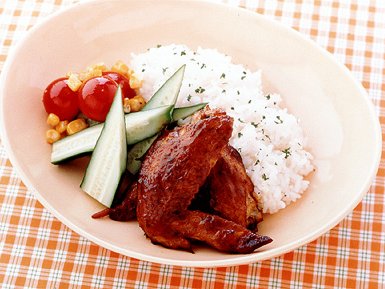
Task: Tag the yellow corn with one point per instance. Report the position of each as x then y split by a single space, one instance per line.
92 71
137 103
98 66
130 72
52 136
126 105
134 81
52 119
120 67
140 98
76 126
74 82
85 75
61 126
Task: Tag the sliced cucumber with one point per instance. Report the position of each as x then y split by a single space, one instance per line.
136 153
76 145
183 112
167 94
139 125
109 158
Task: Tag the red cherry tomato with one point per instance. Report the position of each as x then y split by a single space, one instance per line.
96 96
59 99
123 81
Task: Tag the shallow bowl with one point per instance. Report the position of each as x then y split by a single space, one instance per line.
335 112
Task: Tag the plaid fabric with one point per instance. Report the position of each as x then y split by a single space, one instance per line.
37 251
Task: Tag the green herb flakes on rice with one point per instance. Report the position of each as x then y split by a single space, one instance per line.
269 138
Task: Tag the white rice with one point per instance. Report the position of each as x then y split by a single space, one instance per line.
269 139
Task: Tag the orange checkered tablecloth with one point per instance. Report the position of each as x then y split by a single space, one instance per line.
38 251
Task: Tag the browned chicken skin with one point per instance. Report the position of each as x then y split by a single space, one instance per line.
230 187
221 234
227 187
177 166
174 169
172 172
126 211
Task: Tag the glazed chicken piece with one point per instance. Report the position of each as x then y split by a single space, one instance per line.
126 211
227 187
230 187
172 172
221 234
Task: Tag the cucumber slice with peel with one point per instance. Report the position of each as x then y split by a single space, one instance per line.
137 152
109 158
139 125
183 112
168 93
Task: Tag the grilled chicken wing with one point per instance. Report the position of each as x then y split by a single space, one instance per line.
174 169
172 172
223 235
126 211
230 187
227 187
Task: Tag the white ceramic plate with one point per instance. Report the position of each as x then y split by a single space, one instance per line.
343 130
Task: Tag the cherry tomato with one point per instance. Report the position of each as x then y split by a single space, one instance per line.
96 96
123 81
59 99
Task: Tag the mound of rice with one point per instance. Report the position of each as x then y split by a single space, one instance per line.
269 139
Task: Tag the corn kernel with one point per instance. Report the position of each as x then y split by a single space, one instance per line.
52 119
126 105
98 66
135 82
52 136
95 72
120 67
130 72
74 82
136 104
141 100
92 71
90 74
83 76
76 126
61 126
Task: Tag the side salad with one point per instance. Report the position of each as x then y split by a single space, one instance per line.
99 113
89 93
